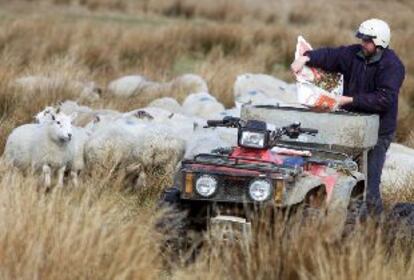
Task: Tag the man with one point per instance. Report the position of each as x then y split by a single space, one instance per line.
373 75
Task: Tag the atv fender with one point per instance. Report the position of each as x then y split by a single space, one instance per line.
342 190
341 197
170 196
302 186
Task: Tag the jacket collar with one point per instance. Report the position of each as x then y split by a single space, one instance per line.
375 58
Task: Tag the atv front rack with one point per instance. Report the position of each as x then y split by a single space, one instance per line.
247 163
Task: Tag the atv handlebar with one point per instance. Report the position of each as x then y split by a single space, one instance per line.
309 131
214 123
292 131
226 122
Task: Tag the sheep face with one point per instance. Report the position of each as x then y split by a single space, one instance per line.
45 115
60 127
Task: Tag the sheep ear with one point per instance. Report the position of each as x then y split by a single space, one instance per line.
58 110
97 119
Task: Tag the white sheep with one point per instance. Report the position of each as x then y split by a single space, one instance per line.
44 147
204 142
134 142
180 125
398 167
45 114
112 142
83 115
80 136
190 83
166 103
69 107
128 85
258 88
86 90
202 105
160 148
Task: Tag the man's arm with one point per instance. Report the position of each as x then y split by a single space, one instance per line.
329 59
389 81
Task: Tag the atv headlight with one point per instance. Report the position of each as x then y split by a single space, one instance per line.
260 190
206 185
252 139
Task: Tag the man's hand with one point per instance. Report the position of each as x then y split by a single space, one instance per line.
344 100
298 64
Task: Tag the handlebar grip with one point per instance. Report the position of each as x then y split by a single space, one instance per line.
214 122
309 130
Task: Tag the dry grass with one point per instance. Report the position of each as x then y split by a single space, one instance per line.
103 231
93 232
298 252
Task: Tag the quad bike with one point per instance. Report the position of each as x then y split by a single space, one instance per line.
224 189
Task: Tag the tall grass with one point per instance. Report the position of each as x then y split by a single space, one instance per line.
84 233
294 251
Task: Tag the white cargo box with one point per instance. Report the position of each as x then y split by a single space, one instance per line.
337 129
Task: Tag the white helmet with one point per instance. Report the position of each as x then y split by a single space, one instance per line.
377 30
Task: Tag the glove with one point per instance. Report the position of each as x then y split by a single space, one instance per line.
298 64
326 104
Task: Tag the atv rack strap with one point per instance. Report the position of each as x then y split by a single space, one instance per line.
245 163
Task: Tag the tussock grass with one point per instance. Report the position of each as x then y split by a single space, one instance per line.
89 232
401 191
295 251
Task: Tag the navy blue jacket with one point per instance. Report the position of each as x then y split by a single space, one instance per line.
374 84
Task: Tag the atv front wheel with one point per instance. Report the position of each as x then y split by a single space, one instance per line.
356 213
178 243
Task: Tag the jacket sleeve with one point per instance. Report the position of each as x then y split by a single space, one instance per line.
389 80
329 59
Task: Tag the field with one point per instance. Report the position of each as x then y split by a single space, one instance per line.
102 231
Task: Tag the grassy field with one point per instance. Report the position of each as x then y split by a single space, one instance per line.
101 231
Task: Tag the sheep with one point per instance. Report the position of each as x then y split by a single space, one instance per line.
204 142
128 85
79 137
112 142
159 148
184 127
136 144
87 90
69 106
166 103
398 167
233 112
189 83
202 105
44 147
256 88
136 84
180 125
44 115
83 114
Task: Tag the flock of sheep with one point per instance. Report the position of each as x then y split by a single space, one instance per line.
69 138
